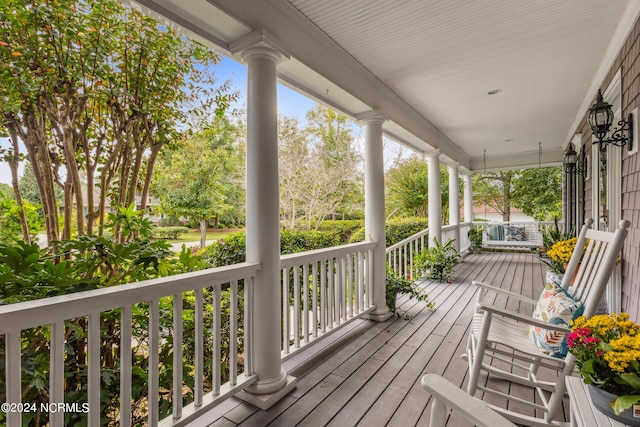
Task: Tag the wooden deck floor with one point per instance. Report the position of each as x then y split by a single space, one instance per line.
372 377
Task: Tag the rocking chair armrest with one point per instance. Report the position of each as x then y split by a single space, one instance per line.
520 317
469 407
510 294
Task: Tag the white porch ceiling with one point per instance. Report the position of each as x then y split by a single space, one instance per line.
428 65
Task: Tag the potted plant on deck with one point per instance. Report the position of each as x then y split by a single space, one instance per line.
398 284
475 237
438 261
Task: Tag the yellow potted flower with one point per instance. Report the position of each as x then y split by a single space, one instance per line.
560 253
607 352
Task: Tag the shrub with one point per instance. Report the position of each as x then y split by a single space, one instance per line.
228 251
397 229
293 241
28 272
170 221
232 249
344 229
171 233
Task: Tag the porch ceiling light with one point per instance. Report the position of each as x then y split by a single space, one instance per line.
600 119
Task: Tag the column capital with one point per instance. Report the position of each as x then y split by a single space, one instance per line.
454 165
259 42
371 116
433 153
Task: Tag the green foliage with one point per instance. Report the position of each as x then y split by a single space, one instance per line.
438 260
232 249
407 189
294 241
397 284
535 191
552 235
202 178
127 86
396 229
475 236
344 229
10 230
494 189
171 233
89 262
128 223
320 169
228 251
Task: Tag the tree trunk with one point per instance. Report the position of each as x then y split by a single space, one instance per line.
13 165
506 192
32 131
151 161
203 233
73 184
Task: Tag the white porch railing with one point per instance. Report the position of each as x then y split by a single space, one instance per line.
400 256
150 306
323 290
465 243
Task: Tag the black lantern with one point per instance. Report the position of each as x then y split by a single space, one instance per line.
570 157
600 119
573 162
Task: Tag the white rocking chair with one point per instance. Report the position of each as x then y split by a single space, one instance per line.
503 335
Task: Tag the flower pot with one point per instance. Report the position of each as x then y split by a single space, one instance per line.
601 400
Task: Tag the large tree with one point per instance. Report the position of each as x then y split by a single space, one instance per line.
494 189
294 157
203 179
320 168
536 191
407 188
95 90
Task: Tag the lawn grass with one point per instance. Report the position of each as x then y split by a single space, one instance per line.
194 236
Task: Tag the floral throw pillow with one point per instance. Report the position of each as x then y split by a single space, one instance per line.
514 234
557 307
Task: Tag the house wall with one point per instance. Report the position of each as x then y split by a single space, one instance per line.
628 62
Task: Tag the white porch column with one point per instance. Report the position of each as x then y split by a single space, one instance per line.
435 197
468 198
374 216
454 202
263 219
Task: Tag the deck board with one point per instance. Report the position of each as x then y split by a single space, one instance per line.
373 378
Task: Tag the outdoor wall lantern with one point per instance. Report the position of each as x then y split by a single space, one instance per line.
573 162
600 120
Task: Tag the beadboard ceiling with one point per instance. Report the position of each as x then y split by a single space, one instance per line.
429 65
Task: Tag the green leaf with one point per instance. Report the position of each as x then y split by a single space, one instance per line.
632 379
624 402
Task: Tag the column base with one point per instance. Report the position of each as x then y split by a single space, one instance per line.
266 401
381 316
